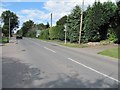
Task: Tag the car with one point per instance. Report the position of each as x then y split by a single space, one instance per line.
19 37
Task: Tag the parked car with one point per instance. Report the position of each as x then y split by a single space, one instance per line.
19 37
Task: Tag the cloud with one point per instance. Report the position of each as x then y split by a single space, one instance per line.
38 16
64 7
57 8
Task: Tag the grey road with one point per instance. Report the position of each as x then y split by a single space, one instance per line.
38 64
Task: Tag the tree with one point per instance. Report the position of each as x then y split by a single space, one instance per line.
62 20
44 34
53 32
47 25
41 26
73 24
60 26
27 26
6 16
97 20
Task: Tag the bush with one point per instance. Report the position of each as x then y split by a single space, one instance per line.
44 34
31 34
53 32
112 35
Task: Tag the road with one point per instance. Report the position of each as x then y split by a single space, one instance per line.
38 64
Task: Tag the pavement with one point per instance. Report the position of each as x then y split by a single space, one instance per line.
31 63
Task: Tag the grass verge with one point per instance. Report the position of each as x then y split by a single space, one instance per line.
68 44
3 40
114 52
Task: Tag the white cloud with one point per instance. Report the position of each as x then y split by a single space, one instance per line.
64 7
57 8
35 15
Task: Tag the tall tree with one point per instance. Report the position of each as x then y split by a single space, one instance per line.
47 25
11 18
60 26
27 26
62 20
115 22
73 24
97 20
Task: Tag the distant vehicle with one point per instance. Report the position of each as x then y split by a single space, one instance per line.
19 37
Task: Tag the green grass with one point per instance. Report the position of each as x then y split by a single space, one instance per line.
3 40
73 45
111 52
68 44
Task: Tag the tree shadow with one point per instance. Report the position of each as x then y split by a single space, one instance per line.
19 75
74 82
16 74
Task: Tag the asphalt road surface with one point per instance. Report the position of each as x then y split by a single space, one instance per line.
38 64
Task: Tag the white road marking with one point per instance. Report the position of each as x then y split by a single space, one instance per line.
94 70
50 49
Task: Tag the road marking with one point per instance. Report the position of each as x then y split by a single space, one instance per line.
94 70
50 49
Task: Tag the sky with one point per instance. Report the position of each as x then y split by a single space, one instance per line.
40 10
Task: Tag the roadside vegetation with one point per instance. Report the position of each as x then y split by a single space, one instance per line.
114 52
101 23
4 40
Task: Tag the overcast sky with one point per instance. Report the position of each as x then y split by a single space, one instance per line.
39 10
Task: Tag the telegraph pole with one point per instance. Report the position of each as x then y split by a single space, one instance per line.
81 21
51 19
9 28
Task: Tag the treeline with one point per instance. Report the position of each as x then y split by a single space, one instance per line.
29 28
101 21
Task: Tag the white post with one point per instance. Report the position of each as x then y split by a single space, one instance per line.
65 34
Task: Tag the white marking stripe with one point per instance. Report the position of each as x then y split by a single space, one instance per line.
95 70
49 49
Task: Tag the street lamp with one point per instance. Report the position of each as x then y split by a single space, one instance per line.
65 32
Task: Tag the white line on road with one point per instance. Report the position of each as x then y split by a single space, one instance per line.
50 49
94 70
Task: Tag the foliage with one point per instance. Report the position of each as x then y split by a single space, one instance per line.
44 34
73 24
6 17
41 26
19 32
61 32
31 34
97 20
47 25
4 40
61 21
112 35
27 26
60 26
53 32
115 22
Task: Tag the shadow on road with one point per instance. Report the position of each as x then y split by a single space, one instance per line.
20 75
73 82
17 74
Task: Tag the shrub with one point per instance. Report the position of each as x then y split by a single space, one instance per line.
44 34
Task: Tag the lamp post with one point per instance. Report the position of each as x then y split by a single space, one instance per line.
65 33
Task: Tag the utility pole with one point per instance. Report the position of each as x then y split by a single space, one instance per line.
51 19
9 28
81 21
